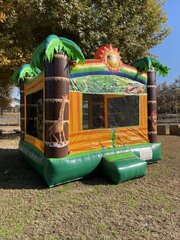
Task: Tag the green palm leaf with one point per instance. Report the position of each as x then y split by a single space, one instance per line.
73 49
53 44
25 71
162 69
143 64
46 50
148 63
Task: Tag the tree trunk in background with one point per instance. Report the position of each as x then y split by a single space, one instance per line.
152 106
56 107
22 110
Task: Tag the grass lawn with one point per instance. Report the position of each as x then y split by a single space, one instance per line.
145 208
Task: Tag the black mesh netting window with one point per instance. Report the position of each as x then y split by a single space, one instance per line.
34 114
122 111
93 111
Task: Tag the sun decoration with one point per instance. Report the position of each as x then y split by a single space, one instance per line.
110 56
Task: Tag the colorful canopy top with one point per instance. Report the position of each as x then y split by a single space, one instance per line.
106 74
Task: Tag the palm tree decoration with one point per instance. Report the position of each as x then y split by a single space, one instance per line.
18 77
54 53
25 71
151 66
148 64
54 44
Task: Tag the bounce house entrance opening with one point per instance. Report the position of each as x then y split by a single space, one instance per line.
110 111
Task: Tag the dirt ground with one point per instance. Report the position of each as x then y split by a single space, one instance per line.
145 208
10 118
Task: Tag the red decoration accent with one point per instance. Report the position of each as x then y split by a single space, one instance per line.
110 56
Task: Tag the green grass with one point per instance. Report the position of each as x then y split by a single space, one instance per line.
8 231
93 208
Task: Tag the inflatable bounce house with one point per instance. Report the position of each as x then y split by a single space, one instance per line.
80 117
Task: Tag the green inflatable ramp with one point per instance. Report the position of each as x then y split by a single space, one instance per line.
123 166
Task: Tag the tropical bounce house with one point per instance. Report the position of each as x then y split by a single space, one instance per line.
80 117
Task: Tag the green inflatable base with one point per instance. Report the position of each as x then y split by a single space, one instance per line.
57 171
123 166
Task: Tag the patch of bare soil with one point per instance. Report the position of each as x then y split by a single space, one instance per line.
144 208
10 118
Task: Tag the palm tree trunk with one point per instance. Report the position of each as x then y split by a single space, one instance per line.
152 106
22 123
56 107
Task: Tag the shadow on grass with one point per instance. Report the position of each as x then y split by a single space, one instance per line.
16 173
98 179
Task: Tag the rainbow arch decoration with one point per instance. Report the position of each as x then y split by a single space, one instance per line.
83 116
